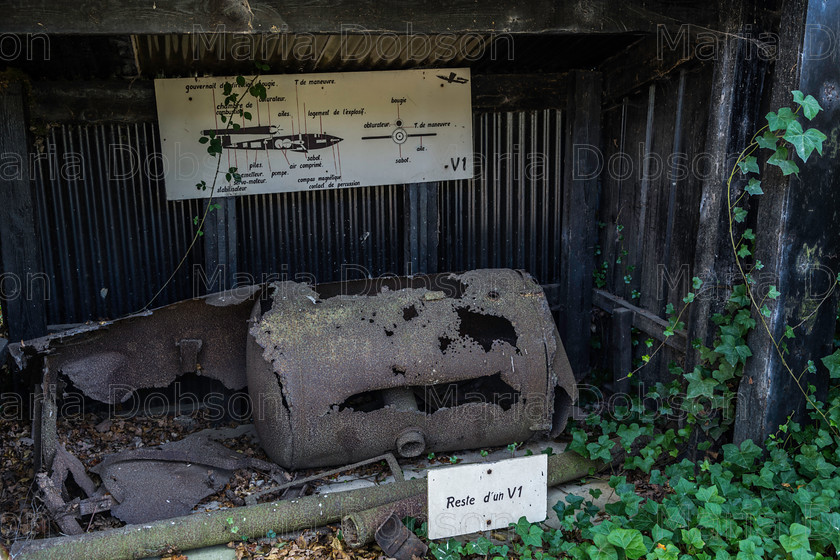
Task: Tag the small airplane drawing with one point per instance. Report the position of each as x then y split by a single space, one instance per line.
453 78
274 141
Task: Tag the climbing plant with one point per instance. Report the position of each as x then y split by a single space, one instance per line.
744 502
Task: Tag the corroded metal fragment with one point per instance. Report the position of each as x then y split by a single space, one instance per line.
338 373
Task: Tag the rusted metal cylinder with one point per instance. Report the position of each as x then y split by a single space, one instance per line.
341 372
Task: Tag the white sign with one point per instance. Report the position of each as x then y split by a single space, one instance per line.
477 497
318 131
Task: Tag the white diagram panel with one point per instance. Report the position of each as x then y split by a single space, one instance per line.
318 131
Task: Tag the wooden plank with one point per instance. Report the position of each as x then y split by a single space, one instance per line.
797 234
621 349
651 58
736 89
343 16
643 320
580 206
121 101
21 263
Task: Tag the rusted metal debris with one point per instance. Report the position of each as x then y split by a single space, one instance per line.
110 360
147 484
461 361
168 481
397 541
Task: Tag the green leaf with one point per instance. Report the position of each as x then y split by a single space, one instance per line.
693 538
734 352
749 165
696 283
240 81
780 120
754 187
797 542
832 363
630 540
739 214
744 251
749 551
765 311
768 140
805 142
247 115
773 293
203 140
780 160
810 106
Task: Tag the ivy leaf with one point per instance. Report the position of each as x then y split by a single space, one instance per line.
773 293
744 251
734 352
693 538
240 81
630 540
832 362
739 214
797 542
749 165
810 106
698 386
780 120
696 283
754 187
749 551
765 311
767 140
805 142
780 160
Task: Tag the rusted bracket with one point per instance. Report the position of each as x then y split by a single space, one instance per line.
396 470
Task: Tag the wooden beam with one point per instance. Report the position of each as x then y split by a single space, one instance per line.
345 16
650 58
580 194
643 320
121 101
737 85
22 277
797 235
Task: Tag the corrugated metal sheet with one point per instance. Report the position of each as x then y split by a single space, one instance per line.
109 237
320 233
509 214
208 53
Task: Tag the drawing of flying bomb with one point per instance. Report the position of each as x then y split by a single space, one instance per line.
272 139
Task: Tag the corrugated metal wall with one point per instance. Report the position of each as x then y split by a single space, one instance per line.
509 214
110 239
318 233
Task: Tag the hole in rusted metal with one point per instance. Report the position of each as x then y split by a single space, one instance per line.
389 333
445 341
489 389
493 295
398 370
485 329
410 313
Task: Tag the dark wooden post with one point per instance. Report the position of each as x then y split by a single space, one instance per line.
422 228
737 87
797 237
581 192
21 262
220 244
